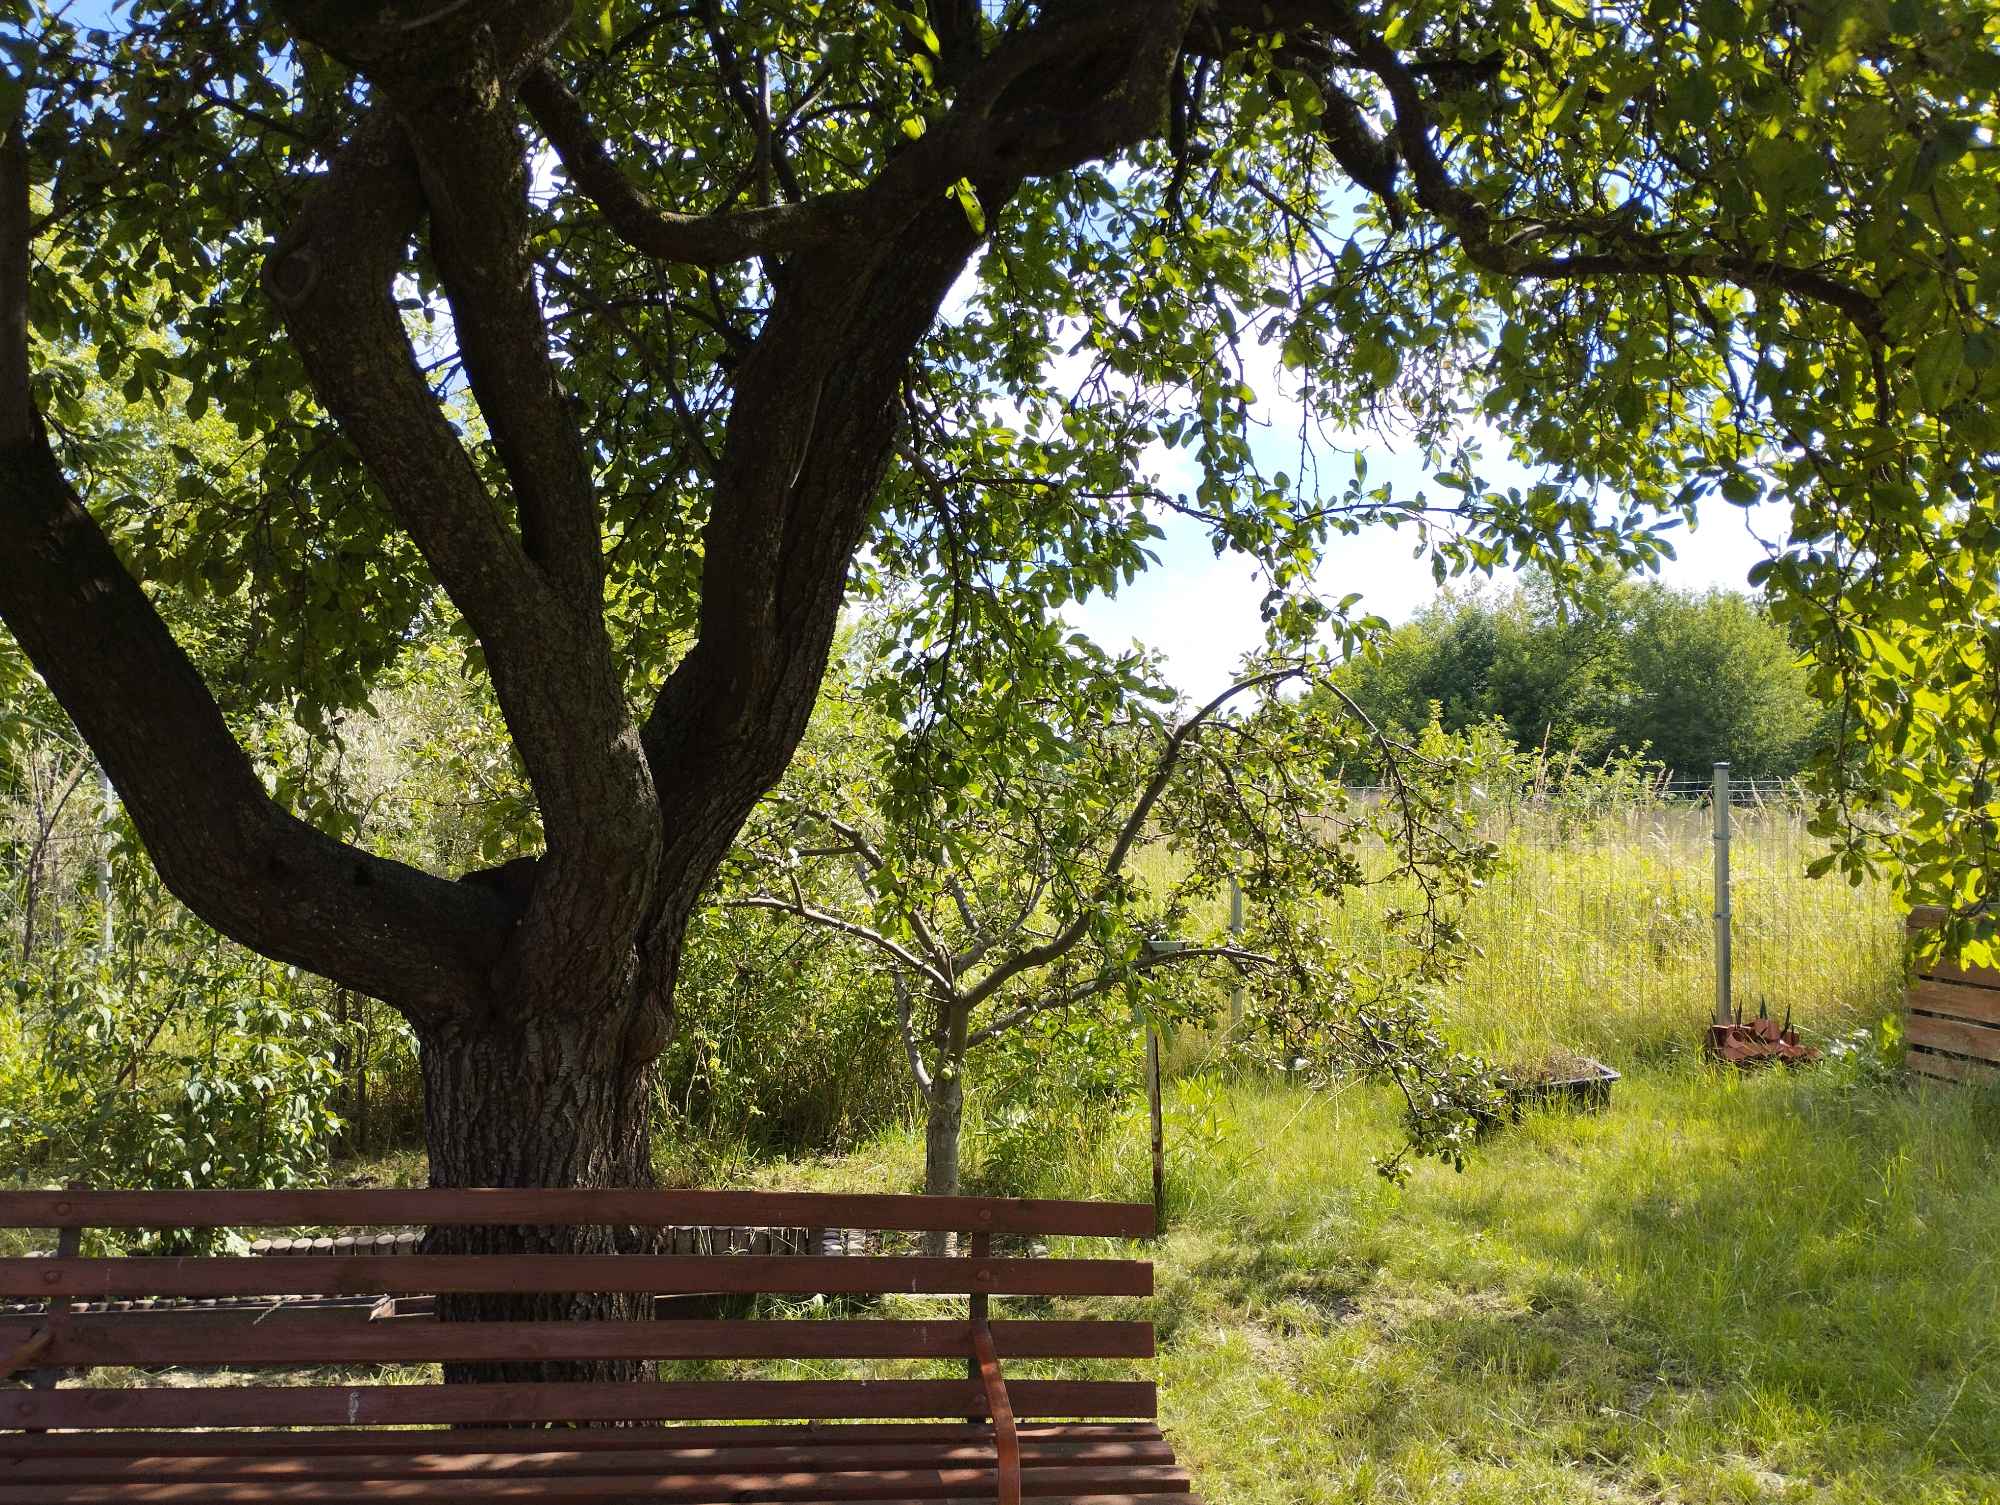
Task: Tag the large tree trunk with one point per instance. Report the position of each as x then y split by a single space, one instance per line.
553 1093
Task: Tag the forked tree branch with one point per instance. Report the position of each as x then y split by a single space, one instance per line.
817 404
332 276
218 840
1169 761
869 863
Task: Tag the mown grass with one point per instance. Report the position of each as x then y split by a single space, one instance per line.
1723 1289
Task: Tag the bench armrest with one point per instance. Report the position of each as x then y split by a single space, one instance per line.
1005 1441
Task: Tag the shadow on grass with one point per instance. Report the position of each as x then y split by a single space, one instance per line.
1819 1257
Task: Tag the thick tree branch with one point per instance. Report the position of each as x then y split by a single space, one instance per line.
1080 83
332 276
1503 246
1489 247
817 404
20 424
219 842
700 239
475 181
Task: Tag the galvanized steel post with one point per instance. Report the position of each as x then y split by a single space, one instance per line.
1723 1013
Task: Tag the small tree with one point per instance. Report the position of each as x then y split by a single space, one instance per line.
1075 878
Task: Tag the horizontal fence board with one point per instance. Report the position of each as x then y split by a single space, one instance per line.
1958 1000
155 1339
507 1404
549 1459
431 1274
508 1207
1951 1068
1980 1041
1927 917
20 1446
1975 977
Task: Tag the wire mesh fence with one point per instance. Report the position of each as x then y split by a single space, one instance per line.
1597 930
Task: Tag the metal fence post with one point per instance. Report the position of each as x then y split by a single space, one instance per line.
106 816
1720 801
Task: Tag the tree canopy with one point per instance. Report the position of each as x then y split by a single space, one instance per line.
619 340
1688 679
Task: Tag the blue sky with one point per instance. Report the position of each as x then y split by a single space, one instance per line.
1201 612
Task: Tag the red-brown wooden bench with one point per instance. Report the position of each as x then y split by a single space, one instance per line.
983 1437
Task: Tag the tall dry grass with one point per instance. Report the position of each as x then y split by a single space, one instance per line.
1596 932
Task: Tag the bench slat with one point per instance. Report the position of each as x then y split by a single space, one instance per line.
812 1485
18 1446
508 1207
672 1274
154 1340
506 1404
220 1465
1099 1487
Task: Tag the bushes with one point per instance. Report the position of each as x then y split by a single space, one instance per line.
1695 678
184 1062
783 1043
137 1047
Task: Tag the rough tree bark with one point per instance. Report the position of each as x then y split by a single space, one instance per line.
944 1122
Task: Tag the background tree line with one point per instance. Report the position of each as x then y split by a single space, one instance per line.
1689 678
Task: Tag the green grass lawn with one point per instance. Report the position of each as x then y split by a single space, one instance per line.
1723 1289
1718 1291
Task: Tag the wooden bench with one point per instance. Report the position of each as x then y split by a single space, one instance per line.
982 1437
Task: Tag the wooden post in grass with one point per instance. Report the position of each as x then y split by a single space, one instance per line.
1159 1133
1721 804
1236 939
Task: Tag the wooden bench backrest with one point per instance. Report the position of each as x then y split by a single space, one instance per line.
80 1339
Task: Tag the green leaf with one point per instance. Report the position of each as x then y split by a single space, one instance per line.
968 200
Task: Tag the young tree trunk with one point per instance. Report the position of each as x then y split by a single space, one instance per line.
541 1096
944 1118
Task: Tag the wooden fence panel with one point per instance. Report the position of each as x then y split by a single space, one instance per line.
1952 1018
